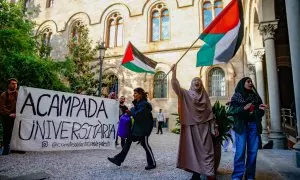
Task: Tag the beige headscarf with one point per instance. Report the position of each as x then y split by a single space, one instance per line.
194 105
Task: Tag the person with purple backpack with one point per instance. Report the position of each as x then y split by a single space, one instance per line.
123 108
141 129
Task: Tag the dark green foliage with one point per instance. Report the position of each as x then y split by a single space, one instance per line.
81 55
18 53
176 130
224 121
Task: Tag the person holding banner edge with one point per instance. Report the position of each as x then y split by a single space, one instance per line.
141 130
8 101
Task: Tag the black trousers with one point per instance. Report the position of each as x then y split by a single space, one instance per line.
144 142
160 124
7 124
122 141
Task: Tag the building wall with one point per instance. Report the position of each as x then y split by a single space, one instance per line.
185 27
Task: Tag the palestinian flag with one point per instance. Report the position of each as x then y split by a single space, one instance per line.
135 61
223 36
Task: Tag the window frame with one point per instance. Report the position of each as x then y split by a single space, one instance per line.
160 8
209 82
75 29
220 6
203 9
114 17
49 3
212 8
164 85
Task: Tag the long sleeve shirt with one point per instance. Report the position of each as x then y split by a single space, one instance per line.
8 102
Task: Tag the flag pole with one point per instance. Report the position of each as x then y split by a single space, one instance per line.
181 58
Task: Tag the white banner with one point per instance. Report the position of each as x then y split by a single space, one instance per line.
52 121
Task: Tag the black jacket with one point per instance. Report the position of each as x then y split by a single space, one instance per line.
143 119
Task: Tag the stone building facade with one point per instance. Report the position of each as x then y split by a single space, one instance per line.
161 30
164 29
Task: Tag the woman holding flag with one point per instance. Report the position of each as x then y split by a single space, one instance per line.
196 150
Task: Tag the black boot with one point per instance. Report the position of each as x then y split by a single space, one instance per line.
150 167
196 176
115 161
5 150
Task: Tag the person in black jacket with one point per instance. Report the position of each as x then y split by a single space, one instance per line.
141 130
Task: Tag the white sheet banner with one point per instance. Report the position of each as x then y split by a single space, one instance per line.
52 121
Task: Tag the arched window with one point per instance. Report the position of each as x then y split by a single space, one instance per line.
45 47
75 33
216 82
208 14
49 3
115 30
46 36
110 83
160 87
218 7
160 23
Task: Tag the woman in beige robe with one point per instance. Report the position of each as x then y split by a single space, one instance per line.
196 151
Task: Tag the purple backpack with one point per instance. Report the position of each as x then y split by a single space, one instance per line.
124 126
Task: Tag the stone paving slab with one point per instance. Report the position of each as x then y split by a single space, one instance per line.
93 164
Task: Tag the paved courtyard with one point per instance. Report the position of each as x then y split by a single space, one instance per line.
93 164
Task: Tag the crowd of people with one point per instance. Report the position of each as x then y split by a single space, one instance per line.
197 120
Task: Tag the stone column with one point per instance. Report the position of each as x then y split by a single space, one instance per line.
260 85
293 21
267 29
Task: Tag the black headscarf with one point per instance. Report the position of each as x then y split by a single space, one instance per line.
242 96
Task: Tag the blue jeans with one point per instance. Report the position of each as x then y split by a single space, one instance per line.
250 138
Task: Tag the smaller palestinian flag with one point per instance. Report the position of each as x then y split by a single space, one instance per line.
135 61
223 36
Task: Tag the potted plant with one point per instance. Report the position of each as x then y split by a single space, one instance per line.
224 122
176 130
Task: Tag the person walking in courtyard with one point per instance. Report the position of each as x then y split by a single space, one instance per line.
247 109
196 150
160 119
141 130
8 100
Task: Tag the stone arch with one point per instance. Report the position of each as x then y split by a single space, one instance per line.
254 33
47 24
80 16
229 71
112 71
120 8
117 7
149 6
116 70
200 12
149 12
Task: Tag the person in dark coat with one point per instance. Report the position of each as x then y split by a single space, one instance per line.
141 130
247 109
8 101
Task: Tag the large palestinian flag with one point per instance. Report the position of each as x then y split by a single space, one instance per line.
223 36
135 61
